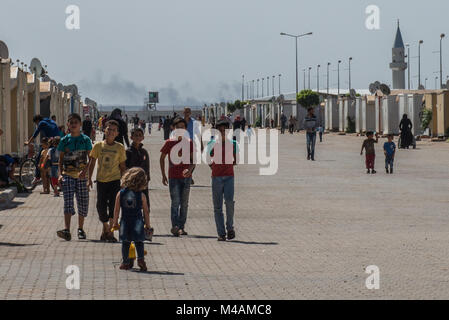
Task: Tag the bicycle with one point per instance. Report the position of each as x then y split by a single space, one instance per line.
27 171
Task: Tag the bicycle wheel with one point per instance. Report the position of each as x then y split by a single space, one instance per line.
27 174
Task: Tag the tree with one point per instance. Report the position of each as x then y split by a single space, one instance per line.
308 98
231 107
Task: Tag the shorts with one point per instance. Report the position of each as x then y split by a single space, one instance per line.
78 187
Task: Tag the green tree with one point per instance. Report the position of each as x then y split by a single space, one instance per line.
308 98
231 107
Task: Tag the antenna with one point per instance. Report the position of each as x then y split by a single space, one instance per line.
46 78
374 87
4 52
36 67
385 89
60 86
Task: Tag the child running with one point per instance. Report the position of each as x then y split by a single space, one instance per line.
390 152
370 151
132 201
111 156
137 157
74 150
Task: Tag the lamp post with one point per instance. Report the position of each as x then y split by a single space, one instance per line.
338 72
268 86
441 60
310 68
296 43
253 89
408 63
350 87
304 82
318 78
328 65
263 87
419 62
243 87
257 88
273 84
280 75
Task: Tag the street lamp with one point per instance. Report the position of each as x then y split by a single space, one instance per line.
273 84
419 62
296 43
338 72
268 86
280 75
408 63
304 82
318 78
310 68
441 59
350 87
328 65
243 87
263 79
253 90
258 88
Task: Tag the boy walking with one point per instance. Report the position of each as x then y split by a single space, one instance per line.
223 153
370 151
310 125
179 178
111 158
390 152
137 157
74 150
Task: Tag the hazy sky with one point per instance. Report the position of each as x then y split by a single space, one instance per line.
196 51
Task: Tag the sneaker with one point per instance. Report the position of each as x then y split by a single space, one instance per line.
110 238
391 171
374 171
182 232
175 231
231 235
142 265
125 266
64 234
81 234
368 172
222 238
387 171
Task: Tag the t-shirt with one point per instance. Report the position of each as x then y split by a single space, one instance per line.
175 170
109 159
368 144
76 154
228 154
390 148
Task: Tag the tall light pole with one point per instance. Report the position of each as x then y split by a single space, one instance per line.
318 78
243 87
273 84
263 87
304 82
328 65
408 63
350 87
253 90
441 59
419 62
268 86
280 75
338 72
296 44
257 88
310 68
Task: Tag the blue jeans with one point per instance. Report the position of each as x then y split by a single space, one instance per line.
389 162
311 140
179 194
223 187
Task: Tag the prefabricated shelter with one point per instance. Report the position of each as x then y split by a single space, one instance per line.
390 115
359 113
331 114
341 111
411 105
5 104
348 111
369 114
443 114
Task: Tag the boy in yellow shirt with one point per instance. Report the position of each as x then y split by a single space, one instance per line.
111 157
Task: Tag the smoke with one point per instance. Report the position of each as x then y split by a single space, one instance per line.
118 91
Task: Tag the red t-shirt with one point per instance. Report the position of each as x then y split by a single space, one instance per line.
226 168
175 170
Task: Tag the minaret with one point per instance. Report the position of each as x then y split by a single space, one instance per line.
398 66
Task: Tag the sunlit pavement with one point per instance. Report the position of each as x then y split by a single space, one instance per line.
308 232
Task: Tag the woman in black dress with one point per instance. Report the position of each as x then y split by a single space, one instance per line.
406 132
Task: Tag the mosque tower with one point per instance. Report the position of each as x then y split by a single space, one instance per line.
398 66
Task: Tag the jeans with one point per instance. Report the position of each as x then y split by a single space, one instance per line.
179 194
311 140
389 162
223 186
125 250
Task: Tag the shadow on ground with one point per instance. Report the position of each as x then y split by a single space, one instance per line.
161 273
5 244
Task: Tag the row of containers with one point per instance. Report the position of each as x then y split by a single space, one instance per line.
25 94
377 112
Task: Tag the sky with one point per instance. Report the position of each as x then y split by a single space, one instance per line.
196 51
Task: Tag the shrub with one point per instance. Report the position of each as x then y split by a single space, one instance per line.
351 125
308 98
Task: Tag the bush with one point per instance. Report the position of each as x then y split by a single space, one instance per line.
308 98
426 119
351 125
258 123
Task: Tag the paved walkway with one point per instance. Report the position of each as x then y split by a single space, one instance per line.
307 233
